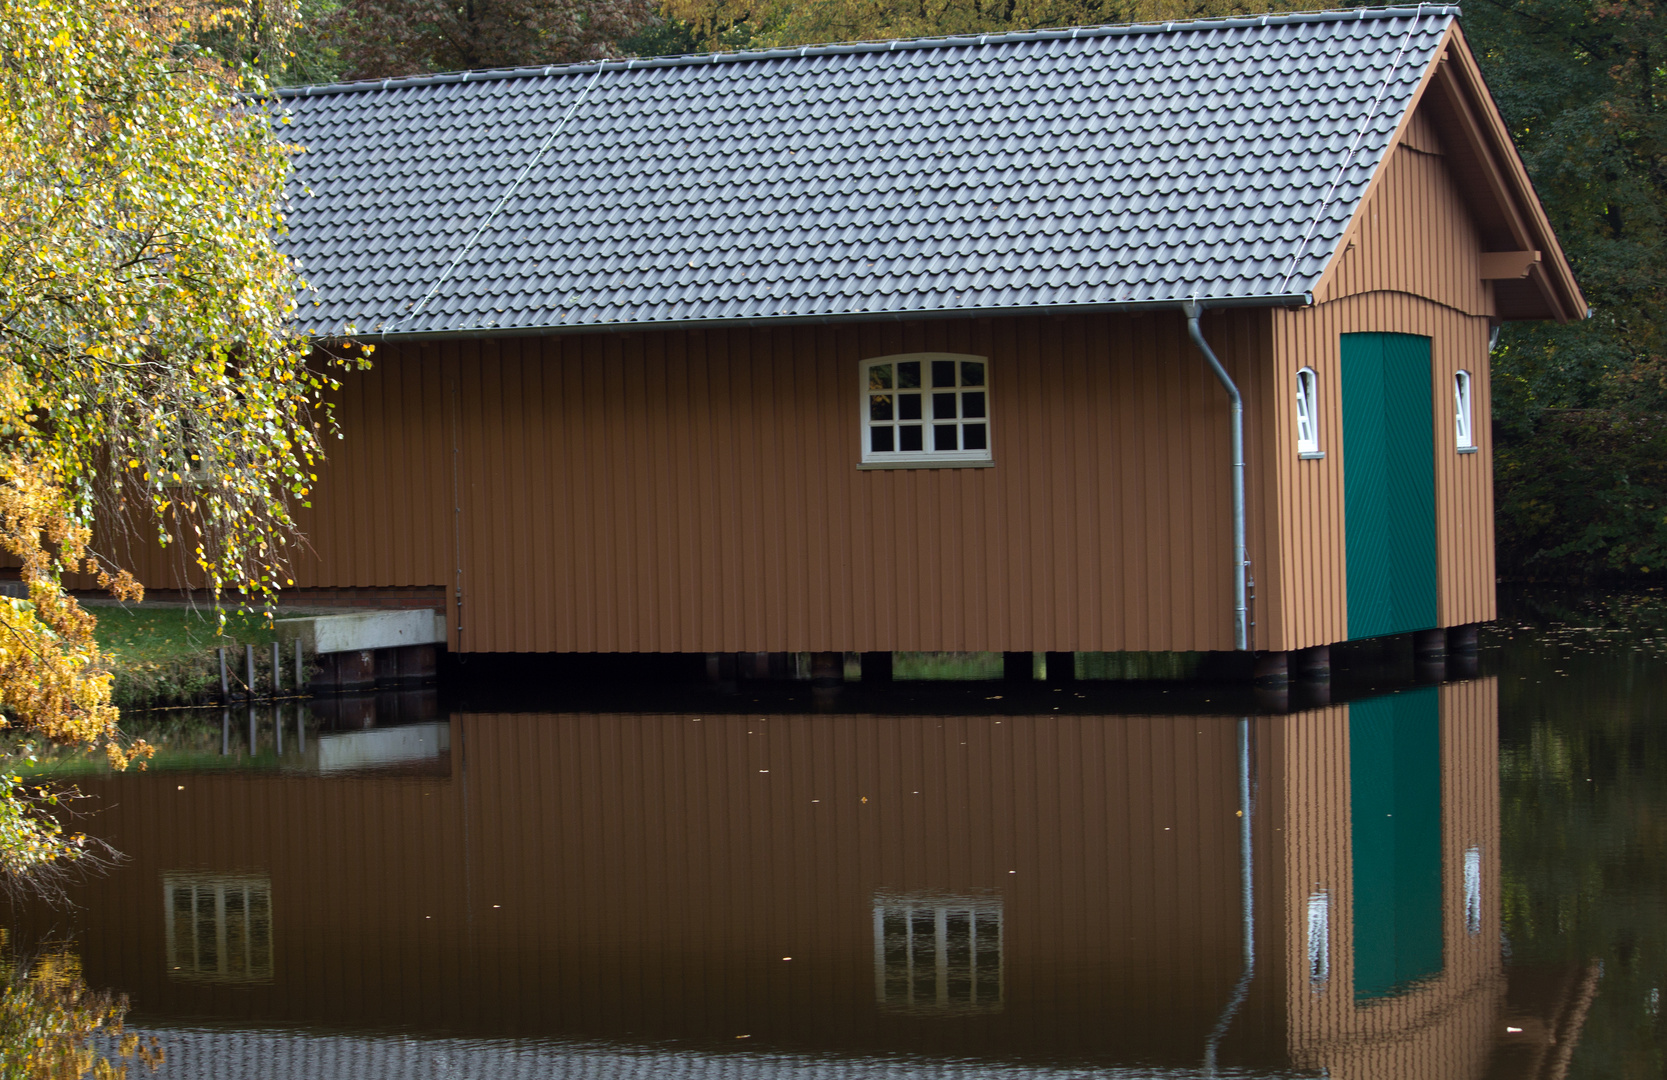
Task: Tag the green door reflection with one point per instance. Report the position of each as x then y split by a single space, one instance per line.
1395 831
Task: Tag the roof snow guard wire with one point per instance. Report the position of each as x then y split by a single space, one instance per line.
474 238
1354 144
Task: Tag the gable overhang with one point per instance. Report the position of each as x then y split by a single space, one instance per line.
1531 276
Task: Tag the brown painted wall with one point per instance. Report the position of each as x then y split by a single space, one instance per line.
1447 1026
643 876
1411 266
698 491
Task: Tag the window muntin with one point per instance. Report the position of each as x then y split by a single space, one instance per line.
925 408
218 927
1462 431
1308 417
938 954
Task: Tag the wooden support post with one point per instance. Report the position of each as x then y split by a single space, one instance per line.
1429 644
827 669
225 681
251 716
249 667
1314 663
1273 669
277 670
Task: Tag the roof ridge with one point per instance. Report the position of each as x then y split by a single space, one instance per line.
844 48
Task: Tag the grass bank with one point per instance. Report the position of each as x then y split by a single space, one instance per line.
164 656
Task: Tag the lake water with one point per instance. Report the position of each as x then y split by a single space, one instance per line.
1456 873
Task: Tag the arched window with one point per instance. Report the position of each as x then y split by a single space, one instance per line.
1308 415
1464 434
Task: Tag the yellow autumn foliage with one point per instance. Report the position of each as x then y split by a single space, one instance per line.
153 386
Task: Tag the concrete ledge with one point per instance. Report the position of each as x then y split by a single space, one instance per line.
359 630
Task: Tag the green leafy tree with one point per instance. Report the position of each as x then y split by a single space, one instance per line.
720 24
381 38
152 383
1582 85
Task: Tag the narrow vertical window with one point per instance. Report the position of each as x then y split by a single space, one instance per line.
1308 417
930 409
1462 429
1319 938
1473 889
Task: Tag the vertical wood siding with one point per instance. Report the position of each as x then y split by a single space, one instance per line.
1413 268
642 877
1444 1027
698 491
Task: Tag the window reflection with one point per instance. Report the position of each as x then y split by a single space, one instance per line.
218 927
938 954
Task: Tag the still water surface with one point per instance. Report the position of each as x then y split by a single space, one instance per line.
1423 877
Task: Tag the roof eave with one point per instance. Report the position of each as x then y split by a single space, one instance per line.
1278 300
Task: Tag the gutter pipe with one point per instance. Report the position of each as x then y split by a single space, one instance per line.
1241 629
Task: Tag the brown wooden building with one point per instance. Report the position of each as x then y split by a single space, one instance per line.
1060 889
886 347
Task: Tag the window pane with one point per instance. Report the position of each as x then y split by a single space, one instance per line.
972 374
973 435
943 406
943 437
943 373
909 437
880 439
908 373
972 404
879 377
879 407
908 406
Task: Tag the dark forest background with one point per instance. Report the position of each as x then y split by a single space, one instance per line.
1580 411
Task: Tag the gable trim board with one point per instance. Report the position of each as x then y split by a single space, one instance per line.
599 447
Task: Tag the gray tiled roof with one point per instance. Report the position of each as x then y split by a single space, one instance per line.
228 1054
1055 169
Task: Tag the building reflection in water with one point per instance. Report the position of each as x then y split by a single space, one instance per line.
1314 892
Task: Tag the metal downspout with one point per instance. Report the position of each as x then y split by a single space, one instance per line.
1241 629
1247 900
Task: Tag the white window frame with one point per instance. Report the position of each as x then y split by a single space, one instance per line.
1473 889
925 458
1319 939
1308 414
915 968
1464 428
217 927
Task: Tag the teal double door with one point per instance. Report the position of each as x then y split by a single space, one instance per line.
1388 483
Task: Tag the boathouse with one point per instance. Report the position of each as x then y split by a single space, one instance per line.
1124 338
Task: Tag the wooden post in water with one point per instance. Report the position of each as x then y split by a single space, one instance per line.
277 670
300 683
225 684
251 715
249 666
277 714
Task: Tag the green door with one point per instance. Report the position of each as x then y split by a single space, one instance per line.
1388 484
1395 841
